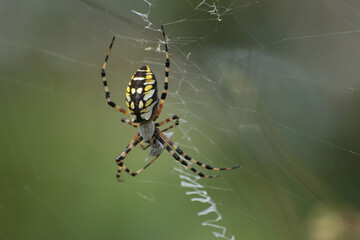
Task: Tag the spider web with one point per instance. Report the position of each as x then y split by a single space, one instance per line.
272 86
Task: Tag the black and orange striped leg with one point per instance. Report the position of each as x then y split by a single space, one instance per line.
144 147
174 117
134 139
183 162
187 157
120 158
167 67
149 144
140 170
124 120
170 127
103 77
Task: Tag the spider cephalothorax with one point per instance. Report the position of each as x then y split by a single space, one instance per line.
144 105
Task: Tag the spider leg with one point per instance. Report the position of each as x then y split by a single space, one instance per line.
103 77
174 117
140 170
123 167
170 127
147 146
144 147
134 139
187 157
120 158
124 120
177 158
167 66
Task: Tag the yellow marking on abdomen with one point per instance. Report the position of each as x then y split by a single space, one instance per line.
148 102
147 88
144 110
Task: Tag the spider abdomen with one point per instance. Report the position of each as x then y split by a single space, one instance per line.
142 95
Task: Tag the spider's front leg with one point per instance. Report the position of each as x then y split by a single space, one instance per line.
106 87
167 67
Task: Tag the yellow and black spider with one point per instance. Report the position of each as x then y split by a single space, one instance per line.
142 100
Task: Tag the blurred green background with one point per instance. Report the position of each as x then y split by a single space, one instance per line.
272 86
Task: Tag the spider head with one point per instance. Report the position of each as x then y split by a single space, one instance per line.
142 97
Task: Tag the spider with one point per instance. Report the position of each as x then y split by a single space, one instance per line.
144 107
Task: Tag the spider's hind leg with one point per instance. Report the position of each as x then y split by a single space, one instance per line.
187 157
177 158
120 160
121 157
144 147
141 169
